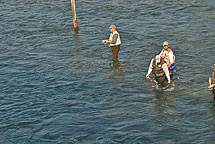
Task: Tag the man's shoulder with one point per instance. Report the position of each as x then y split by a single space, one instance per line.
170 50
115 32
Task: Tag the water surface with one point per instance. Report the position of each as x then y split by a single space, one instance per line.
59 87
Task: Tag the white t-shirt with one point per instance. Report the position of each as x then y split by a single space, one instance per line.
169 54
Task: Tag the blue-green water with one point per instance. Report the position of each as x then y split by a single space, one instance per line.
59 87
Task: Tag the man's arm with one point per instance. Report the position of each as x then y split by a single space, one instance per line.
115 36
165 68
162 51
209 80
171 59
150 69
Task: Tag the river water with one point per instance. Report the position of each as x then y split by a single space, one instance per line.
61 87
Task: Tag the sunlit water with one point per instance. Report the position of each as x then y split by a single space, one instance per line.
61 87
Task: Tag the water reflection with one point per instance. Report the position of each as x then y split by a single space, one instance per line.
116 75
116 64
212 107
163 102
77 42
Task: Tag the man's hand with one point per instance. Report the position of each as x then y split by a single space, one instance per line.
211 86
147 76
169 81
104 41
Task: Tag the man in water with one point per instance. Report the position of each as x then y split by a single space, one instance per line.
159 68
211 79
114 42
167 54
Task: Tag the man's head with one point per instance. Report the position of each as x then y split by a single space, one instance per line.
214 67
163 55
166 45
112 28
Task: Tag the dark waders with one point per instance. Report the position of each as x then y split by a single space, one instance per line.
213 92
162 81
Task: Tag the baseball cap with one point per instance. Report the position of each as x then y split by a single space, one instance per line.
112 26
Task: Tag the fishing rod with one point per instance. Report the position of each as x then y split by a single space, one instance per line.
153 80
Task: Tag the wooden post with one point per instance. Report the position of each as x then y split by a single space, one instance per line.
74 16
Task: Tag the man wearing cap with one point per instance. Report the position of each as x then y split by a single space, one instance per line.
114 42
158 66
167 54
